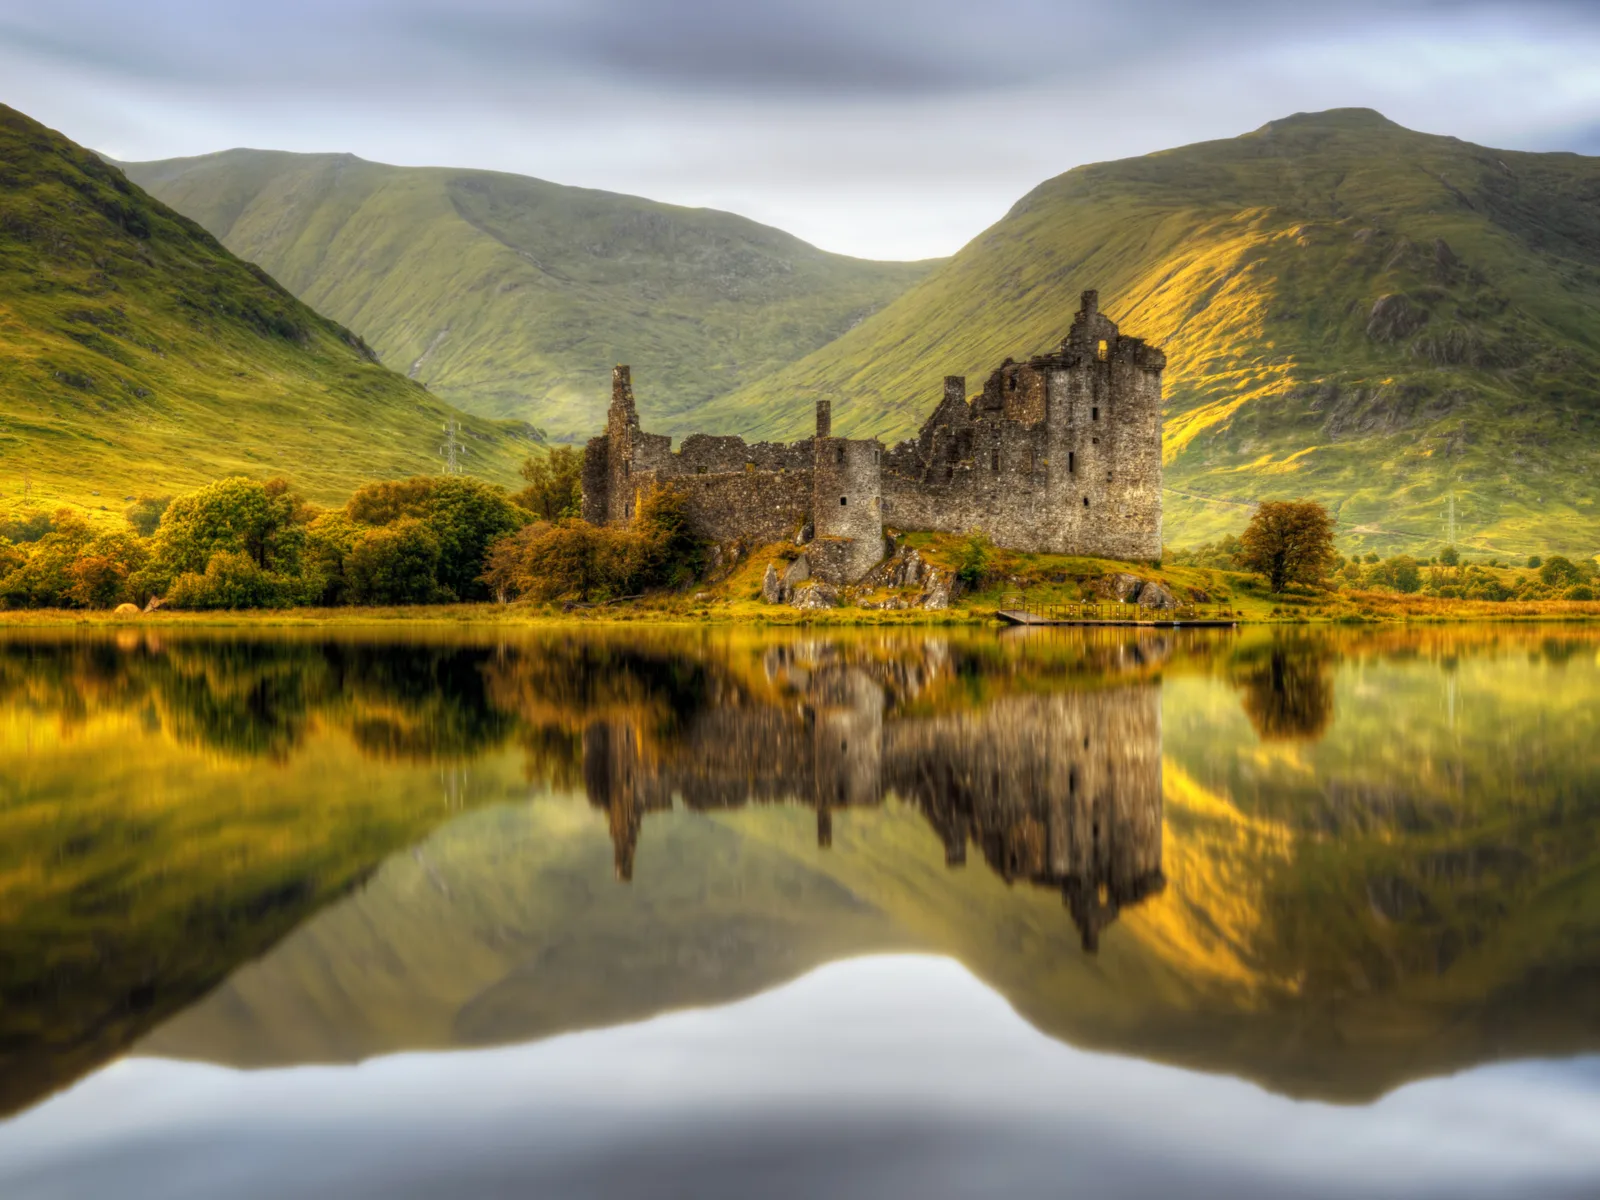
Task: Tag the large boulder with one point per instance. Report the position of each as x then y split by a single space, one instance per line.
799 571
772 586
938 589
1157 595
815 595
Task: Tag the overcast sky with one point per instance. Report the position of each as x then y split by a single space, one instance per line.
884 128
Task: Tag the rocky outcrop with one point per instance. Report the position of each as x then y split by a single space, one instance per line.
815 595
1130 589
1394 318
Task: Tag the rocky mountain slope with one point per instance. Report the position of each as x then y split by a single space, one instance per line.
513 297
1406 326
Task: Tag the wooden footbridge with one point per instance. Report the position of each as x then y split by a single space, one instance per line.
1014 610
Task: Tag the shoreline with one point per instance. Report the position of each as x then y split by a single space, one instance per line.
518 616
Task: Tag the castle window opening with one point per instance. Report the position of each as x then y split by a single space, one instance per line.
839 454
1086 502
877 457
1094 413
843 500
1100 350
1072 462
994 460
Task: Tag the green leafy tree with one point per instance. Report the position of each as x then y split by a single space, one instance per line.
396 563
232 580
465 516
262 521
1450 557
1535 562
1560 571
1289 541
26 527
145 513
330 537
555 484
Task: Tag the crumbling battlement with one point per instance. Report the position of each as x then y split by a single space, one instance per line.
1061 453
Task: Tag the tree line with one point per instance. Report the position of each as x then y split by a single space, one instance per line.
1291 543
243 543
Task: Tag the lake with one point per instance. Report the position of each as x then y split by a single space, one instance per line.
733 913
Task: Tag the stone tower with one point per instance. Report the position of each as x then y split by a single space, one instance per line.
846 503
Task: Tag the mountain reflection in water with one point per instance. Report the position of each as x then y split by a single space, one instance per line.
1330 862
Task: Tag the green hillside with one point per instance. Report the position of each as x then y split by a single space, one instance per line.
1380 318
513 297
138 355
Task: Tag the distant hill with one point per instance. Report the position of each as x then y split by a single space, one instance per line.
513 297
1393 322
139 355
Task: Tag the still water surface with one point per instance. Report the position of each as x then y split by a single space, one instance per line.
739 914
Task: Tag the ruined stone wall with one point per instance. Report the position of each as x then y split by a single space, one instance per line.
755 507
1061 453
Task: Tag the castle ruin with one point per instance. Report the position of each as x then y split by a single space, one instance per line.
1060 454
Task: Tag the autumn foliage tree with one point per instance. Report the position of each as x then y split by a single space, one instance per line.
1289 541
555 484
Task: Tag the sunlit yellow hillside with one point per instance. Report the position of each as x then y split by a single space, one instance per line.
1394 322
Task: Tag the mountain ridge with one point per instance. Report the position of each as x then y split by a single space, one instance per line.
514 296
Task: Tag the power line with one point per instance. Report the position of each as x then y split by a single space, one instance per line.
452 450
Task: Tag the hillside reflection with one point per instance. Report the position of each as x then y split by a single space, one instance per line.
1330 861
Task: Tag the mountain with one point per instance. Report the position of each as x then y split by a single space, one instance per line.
141 356
513 297
1403 325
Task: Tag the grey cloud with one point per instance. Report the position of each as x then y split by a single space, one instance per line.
823 49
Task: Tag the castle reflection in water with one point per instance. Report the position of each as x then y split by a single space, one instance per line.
1060 789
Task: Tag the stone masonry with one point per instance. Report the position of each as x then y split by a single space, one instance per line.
1061 453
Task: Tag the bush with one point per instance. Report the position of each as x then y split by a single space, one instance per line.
1581 591
1535 562
561 560
1450 557
973 565
574 560
232 580
395 564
